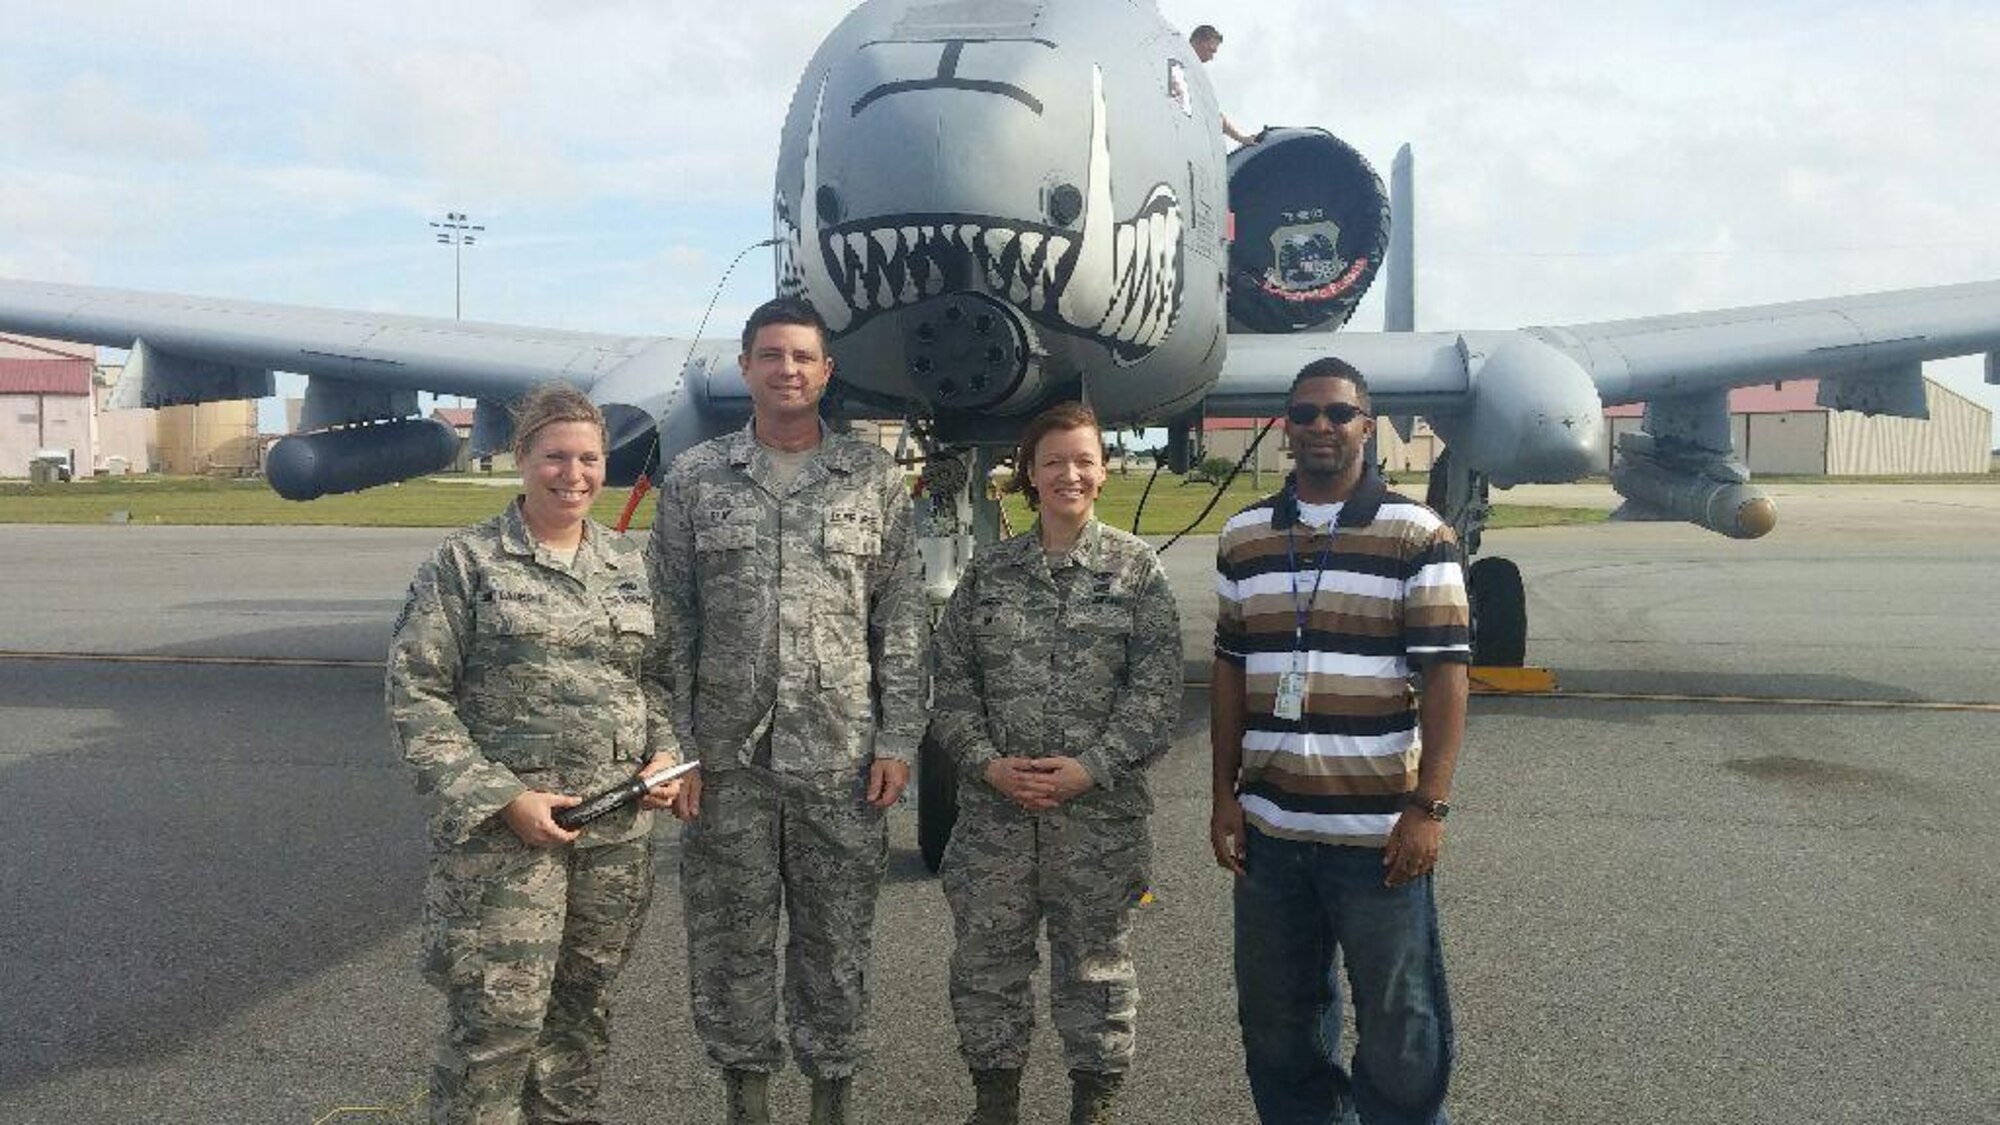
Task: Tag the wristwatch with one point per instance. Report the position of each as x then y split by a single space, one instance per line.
1431 806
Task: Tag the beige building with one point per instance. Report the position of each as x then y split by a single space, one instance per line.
210 439
1777 430
460 419
55 396
1782 430
123 441
1229 437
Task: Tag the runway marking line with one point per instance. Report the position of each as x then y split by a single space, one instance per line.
400 1109
169 658
1561 694
1558 694
1764 700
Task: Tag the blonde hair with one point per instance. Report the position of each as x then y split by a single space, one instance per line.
550 404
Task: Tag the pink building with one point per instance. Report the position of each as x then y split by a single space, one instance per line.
45 402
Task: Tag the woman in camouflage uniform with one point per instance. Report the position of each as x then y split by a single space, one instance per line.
523 676
1058 683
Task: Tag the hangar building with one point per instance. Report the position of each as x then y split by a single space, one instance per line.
45 402
1778 430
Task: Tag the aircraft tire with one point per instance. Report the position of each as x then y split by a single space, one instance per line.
937 801
1499 613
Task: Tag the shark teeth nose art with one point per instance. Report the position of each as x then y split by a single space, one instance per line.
882 268
1118 282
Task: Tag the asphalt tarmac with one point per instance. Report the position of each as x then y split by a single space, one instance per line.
1658 906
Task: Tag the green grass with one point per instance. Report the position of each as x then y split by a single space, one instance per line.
1886 478
433 503
196 500
1173 505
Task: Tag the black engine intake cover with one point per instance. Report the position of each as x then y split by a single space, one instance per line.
1311 228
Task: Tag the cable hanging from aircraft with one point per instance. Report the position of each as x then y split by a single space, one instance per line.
1220 489
644 484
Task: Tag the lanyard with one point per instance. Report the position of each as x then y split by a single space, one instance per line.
1302 610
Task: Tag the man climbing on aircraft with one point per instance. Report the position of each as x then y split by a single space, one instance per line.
1206 41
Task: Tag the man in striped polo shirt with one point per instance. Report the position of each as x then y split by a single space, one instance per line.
1331 773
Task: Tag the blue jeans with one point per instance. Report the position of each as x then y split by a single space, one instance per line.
1295 903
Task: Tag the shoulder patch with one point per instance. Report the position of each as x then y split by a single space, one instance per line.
423 587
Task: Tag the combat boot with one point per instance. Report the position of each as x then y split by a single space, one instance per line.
996 1097
1091 1094
829 1104
749 1096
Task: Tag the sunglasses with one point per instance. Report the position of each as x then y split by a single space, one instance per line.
1339 413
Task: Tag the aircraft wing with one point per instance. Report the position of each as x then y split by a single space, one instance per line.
368 367
417 353
1637 360
1526 405
1864 337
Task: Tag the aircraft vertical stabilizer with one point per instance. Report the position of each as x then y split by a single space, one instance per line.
1399 314
1399 268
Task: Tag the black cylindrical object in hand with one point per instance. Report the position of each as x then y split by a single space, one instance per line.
576 816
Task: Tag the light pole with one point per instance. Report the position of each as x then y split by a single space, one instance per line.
456 231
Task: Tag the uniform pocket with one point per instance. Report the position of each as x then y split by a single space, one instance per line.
998 620
510 619
523 752
630 618
843 659
1102 619
996 634
725 537
457 889
853 531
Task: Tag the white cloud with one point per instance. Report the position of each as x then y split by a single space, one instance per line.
1576 161
92 113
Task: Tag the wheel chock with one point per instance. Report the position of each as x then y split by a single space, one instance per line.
1490 680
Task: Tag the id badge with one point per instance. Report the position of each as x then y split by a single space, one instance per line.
1291 702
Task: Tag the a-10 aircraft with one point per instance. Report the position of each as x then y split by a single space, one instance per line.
1000 204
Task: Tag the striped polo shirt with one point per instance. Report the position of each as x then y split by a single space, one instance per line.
1383 592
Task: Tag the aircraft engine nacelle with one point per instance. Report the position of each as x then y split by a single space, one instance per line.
351 458
1534 416
1708 492
1312 226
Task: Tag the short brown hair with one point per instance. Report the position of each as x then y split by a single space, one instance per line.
1061 416
549 404
783 310
1206 33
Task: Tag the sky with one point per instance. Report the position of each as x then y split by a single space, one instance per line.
1575 161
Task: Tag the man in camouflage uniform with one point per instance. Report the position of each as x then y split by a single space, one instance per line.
787 567
1043 656
511 674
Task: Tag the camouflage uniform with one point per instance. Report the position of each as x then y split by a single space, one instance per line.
1082 660
801 613
508 672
